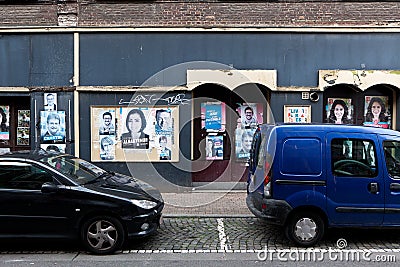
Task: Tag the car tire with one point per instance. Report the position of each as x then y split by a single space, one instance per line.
305 229
102 235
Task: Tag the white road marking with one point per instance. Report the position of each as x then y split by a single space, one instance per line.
223 239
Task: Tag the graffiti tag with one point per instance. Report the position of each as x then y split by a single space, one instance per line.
139 100
178 99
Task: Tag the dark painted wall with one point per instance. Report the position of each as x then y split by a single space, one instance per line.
131 58
36 59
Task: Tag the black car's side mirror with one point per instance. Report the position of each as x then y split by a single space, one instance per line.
49 188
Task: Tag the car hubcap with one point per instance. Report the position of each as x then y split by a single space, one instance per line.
305 229
102 235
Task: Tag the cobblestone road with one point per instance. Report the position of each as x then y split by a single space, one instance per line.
202 234
249 234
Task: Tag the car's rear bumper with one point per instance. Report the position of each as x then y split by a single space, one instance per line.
274 211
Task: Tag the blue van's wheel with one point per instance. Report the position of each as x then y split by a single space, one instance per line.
305 228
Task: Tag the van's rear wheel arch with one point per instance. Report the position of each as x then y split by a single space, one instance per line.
305 226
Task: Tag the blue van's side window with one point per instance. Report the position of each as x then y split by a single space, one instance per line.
353 157
392 158
301 156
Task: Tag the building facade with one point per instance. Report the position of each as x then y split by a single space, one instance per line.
198 76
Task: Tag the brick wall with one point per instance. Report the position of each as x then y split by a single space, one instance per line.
28 15
198 13
239 14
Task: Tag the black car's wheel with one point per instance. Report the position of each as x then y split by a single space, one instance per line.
102 235
305 228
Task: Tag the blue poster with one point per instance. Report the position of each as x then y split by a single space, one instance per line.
213 117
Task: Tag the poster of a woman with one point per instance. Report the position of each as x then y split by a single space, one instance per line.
376 113
135 136
339 111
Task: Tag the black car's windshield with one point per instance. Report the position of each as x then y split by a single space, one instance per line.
78 170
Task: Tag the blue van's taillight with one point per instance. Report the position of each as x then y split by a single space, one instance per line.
267 181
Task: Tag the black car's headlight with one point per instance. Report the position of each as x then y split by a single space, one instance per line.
144 204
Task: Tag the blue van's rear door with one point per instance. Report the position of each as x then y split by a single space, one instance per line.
355 188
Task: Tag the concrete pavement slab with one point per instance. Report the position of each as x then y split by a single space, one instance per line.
206 203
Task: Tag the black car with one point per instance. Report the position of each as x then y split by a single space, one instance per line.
53 195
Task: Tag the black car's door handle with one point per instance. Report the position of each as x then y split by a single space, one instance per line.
395 186
373 188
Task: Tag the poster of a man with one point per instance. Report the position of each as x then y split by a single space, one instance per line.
50 101
244 139
23 136
52 127
165 152
376 112
107 126
107 148
163 121
248 117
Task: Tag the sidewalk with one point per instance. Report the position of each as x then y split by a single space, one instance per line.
206 204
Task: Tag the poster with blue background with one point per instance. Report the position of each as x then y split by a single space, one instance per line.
213 117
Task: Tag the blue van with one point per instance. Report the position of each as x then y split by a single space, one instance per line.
310 177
